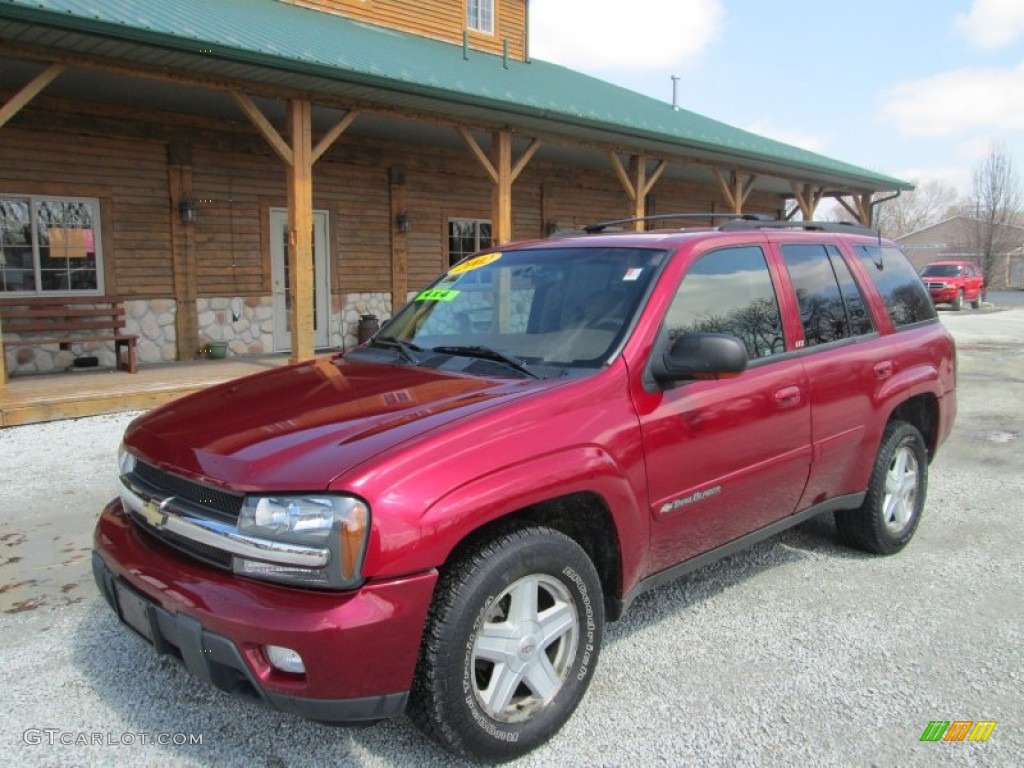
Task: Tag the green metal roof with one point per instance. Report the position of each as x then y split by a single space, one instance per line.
290 40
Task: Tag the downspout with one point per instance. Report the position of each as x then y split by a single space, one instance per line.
879 201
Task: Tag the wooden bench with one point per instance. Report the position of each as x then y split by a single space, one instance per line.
66 320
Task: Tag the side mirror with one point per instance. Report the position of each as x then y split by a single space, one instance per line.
700 356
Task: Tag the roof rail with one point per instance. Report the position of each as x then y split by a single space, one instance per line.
593 229
814 226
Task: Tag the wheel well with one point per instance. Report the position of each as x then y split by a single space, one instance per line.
584 518
922 411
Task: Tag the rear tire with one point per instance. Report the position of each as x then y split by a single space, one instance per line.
511 643
958 303
976 304
888 518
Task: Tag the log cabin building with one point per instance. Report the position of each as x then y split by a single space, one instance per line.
265 172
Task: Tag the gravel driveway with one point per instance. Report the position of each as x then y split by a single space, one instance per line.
797 652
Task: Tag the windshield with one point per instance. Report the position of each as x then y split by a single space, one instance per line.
543 308
942 270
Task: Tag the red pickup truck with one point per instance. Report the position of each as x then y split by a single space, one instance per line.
441 521
954 282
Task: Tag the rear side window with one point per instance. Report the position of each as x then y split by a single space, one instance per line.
906 299
831 307
730 291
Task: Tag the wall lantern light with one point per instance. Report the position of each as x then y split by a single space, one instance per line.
403 222
187 210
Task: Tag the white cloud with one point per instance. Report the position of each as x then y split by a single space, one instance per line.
603 34
992 23
809 141
954 103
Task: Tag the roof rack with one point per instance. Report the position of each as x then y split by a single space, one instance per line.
593 229
813 226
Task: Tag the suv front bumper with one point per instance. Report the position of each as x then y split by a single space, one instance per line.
359 648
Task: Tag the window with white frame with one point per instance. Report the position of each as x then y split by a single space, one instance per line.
467 236
50 245
480 15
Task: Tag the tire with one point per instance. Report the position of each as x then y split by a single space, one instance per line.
976 304
490 686
958 303
891 511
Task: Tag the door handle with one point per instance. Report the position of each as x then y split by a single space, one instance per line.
884 369
787 397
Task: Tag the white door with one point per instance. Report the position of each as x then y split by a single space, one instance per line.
279 276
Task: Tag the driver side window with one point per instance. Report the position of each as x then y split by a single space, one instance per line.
730 291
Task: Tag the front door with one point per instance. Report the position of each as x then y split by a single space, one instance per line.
726 457
279 276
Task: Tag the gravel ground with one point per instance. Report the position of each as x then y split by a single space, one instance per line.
796 652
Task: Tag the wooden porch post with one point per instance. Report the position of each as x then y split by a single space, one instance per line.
399 246
300 228
7 111
736 189
636 183
503 174
299 156
807 197
862 212
183 253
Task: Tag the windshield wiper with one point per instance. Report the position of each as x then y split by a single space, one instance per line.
405 348
486 353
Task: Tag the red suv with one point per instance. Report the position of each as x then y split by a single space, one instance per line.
954 282
441 521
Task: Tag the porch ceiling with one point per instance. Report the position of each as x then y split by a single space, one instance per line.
272 49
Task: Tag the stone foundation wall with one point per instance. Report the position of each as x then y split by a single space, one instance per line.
151 320
245 323
348 308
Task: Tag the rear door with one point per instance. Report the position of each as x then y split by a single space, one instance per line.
846 361
729 456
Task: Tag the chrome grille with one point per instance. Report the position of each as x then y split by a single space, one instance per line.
228 504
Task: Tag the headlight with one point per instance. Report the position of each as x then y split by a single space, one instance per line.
125 461
340 523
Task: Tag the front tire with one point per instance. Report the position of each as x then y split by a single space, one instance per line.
891 511
510 647
958 302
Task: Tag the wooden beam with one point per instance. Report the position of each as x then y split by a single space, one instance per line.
183 262
864 207
653 179
527 156
480 155
29 92
726 190
300 228
638 169
736 189
502 174
502 196
399 243
849 209
620 172
263 125
332 135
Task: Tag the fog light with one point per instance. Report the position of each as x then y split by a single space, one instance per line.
284 659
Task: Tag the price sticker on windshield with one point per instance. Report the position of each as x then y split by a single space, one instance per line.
438 294
474 263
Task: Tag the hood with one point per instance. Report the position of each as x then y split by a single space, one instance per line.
296 428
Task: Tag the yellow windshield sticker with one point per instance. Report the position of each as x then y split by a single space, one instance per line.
474 263
438 294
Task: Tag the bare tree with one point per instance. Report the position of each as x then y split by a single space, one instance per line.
931 202
994 207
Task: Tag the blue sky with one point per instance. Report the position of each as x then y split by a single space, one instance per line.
917 89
